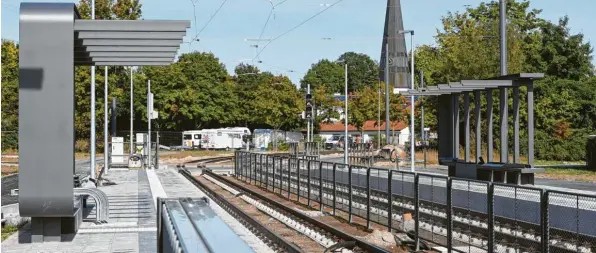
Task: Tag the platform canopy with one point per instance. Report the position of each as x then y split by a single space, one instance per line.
127 42
475 85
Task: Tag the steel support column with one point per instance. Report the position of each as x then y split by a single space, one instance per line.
503 116
531 123
489 123
455 114
516 125
477 99
467 125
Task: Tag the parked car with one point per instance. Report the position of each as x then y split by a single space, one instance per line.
331 142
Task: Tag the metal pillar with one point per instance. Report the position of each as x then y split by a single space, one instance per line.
503 35
131 112
446 126
467 126
478 125
149 116
92 122
412 104
422 132
307 121
503 91
387 84
531 123
503 100
346 142
516 125
455 115
489 123
106 163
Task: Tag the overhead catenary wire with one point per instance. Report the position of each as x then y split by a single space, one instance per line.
194 13
209 21
265 25
295 27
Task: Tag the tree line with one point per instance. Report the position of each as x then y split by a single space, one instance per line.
197 91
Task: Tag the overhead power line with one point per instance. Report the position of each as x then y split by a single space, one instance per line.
209 21
267 22
295 27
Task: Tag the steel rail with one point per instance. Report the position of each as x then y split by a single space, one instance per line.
321 225
242 216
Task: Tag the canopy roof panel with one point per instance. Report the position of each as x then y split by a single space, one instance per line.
475 85
127 42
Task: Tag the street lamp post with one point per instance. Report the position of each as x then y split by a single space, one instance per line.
92 167
412 132
345 110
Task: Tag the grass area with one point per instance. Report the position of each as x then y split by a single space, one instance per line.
568 174
8 230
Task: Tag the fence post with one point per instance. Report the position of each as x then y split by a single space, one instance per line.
490 211
298 177
390 201
308 183
350 193
289 176
260 170
267 172
249 169
416 210
334 186
321 186
449 217
368 204
545 233
274 174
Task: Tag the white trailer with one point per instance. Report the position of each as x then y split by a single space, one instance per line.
192 139
224 138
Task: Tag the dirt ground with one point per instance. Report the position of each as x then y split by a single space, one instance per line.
378 234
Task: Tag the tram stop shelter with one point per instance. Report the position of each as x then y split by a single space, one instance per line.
53 40
449 119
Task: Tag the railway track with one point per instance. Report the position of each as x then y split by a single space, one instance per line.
327 236
469 226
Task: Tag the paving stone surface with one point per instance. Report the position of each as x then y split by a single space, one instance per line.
131 227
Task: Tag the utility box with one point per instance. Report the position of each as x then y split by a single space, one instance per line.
117 150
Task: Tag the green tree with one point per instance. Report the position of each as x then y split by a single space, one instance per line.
10 95
278 104
192 93
362 70
324 73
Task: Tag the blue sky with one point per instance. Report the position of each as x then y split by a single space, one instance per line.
351 25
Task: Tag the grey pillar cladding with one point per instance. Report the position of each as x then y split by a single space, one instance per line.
516 124
489 123
503 120
455 113
445 126
477 99
467 125
531 123
46 94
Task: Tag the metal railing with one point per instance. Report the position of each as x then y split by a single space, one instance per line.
460 214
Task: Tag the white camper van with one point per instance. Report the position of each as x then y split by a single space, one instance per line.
224 138
192 139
